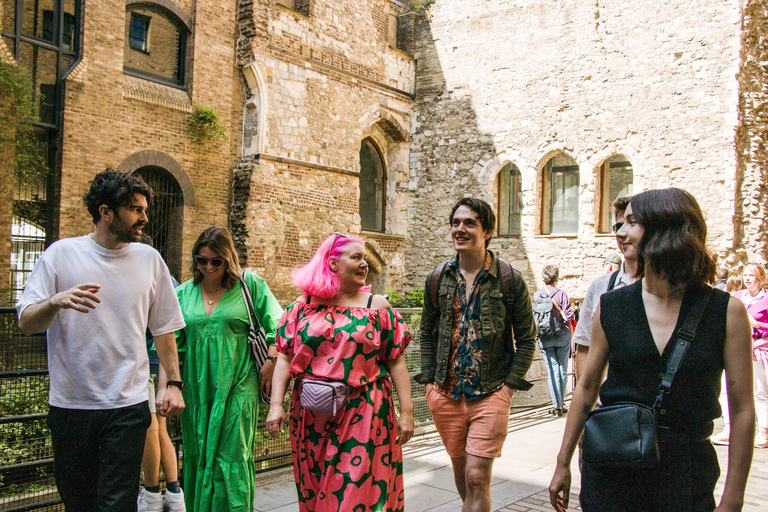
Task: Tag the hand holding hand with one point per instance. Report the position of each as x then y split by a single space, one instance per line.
80 298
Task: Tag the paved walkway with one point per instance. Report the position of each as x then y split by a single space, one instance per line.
520 476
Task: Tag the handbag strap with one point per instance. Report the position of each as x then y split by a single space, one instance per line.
685 336
253 319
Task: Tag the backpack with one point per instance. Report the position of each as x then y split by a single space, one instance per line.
548 323
507 286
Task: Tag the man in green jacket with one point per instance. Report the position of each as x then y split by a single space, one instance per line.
477 342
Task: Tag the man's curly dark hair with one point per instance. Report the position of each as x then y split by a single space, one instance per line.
114 189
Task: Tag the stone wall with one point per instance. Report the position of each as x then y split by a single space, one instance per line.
520 82
752 136
318 86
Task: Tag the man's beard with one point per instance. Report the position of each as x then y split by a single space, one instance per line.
123 232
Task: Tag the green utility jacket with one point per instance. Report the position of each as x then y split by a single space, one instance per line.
509 331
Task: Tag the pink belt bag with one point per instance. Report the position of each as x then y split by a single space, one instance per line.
326 397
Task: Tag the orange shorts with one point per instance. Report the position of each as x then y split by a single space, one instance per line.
476 427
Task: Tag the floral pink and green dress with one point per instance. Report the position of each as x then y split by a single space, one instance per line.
350 461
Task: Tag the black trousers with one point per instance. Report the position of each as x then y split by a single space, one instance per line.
683 481
97 456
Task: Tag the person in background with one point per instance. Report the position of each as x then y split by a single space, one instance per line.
556 346
734 284
623 276
158 447
612 262
756 301
338 332
222 384
634 329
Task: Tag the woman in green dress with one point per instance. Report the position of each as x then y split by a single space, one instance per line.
221 388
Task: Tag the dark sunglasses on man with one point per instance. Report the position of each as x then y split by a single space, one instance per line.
616 227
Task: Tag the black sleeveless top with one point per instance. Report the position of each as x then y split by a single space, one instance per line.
635 367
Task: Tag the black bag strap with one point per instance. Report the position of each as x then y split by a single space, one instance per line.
253 318
685 336
612 281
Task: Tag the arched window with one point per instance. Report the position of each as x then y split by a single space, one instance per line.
372 188
166 216
510 200
560 196
155 45
616 179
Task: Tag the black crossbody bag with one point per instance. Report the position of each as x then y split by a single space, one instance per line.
624 434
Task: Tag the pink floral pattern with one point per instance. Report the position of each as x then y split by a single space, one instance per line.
350 461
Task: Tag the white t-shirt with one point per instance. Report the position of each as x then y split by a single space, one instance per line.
98 360
583 333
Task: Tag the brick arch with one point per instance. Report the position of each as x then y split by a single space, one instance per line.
177 13
159 159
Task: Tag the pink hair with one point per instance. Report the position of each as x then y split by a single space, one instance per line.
316 277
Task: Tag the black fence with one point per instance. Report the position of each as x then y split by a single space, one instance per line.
26 456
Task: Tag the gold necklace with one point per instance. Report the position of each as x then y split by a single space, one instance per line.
210 300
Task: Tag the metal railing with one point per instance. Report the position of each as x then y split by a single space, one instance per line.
26 455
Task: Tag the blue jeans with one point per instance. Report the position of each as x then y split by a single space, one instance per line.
556 352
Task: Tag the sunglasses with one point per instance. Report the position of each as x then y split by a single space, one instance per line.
336 235
203 261
616 227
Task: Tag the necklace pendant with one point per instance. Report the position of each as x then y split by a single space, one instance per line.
210 302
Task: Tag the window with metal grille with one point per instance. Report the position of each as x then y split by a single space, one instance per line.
166 216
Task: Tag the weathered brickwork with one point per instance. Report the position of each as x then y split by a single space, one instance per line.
110 116
752 136
320 85
520 82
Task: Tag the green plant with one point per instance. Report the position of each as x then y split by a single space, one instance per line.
204 125
422 6
17 135
412 298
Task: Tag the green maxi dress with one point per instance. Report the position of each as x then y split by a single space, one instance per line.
218 425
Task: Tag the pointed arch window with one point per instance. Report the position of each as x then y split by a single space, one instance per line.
372 187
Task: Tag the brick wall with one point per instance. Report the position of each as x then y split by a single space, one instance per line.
330 81
110 116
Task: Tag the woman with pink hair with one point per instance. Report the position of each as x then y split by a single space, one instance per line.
342 344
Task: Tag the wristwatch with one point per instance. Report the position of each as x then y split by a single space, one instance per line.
177 383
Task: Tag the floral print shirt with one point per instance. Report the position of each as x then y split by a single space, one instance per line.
463 377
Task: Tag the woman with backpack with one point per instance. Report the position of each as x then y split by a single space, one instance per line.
554 318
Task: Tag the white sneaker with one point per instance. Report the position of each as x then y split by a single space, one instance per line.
174 501
149 501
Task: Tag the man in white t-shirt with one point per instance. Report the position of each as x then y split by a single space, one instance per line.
95 295
582 336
